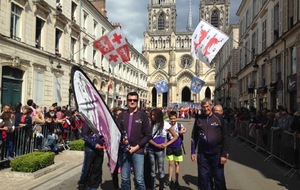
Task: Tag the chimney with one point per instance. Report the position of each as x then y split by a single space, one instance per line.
100 6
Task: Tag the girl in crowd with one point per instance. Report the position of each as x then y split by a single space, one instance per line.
157 144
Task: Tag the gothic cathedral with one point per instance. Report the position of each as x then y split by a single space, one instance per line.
168 52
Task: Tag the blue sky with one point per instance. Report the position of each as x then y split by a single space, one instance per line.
133 16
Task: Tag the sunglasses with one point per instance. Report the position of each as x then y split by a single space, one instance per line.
132 100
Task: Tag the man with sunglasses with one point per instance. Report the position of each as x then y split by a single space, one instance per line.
136 133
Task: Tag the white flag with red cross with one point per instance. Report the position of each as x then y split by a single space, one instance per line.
206 42
113 47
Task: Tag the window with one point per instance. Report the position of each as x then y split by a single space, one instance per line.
278 67
186 61
56 89
73 43
264 34
276 22
159 62
161 22
214 20
15 22
85 15
84 51
58 5
290 13
38 32
95 27
38 87
293 61
161 1
58 34
94 56
254 8
254 45
73 11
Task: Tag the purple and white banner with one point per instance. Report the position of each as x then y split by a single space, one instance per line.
90 103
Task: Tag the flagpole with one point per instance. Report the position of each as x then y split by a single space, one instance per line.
114 86
79 51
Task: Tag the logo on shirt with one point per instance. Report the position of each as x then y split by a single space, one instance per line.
138 121
214 124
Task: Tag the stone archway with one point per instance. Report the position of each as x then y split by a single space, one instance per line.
208 93
154 99
186 94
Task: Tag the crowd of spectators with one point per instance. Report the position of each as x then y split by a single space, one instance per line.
27 128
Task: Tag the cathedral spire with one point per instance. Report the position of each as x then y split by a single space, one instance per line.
189 23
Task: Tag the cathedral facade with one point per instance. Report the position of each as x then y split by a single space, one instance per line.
168 52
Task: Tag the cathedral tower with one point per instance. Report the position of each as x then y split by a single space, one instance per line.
169 57
215 12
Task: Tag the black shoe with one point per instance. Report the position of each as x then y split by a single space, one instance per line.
169 183
176 185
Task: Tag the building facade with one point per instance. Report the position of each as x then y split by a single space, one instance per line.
269 52
168 52
227 67
41 40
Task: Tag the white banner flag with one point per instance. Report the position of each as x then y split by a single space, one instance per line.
206 42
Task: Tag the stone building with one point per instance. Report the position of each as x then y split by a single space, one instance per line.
41 40
269 51
227 67
168 52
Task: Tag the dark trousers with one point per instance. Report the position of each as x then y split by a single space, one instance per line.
210 172
115 177
91 174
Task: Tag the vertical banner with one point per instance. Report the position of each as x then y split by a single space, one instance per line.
90 103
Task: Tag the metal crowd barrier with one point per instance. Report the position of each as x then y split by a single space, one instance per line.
21 142
283 146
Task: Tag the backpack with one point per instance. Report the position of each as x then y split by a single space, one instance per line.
179 126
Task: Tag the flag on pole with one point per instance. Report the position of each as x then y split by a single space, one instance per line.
161 86
113 47
206 42
197 84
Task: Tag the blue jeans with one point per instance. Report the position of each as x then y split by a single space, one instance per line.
50 141
159 158
137 161
210 172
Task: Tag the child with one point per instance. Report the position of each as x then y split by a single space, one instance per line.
157 144
174 151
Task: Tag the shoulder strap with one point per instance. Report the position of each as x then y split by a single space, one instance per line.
179 126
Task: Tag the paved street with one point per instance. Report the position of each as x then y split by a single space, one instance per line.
246 170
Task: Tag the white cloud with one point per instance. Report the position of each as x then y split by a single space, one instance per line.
133 17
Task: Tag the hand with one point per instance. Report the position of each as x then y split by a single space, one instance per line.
133 149
194 157
160 146
125 141
98 146
223 160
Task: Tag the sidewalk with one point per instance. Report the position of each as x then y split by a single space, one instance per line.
63 162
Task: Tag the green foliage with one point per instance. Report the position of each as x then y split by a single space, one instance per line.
32 162
77 145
